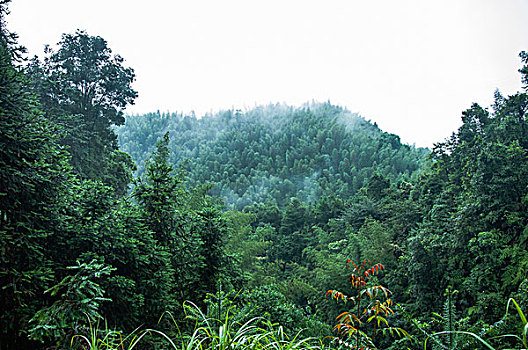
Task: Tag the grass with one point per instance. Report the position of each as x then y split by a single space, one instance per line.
226 332
520 340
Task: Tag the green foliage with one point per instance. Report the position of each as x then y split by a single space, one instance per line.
78 298
98 339
273 153
524 323
33 177
316 184
474 197
524 70
226 327
187 226
270 303
84 89
374 240
223 326
501 341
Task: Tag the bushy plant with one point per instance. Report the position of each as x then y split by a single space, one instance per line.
79 298
270 303
367 317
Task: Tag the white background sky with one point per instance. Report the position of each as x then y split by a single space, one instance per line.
410 66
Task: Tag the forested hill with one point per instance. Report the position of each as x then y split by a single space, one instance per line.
275 152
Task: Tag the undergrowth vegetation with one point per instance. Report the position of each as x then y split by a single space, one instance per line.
225 322
223 325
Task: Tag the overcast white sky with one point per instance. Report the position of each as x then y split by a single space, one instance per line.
410 66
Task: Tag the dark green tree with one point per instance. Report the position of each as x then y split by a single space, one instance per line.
33 176
186 223
85 89
474 202
293 234
524 69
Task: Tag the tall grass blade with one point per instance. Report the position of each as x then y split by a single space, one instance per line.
487 345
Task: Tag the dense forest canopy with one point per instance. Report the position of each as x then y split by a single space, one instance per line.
246 225
275 152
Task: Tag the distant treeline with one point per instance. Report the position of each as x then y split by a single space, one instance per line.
275 152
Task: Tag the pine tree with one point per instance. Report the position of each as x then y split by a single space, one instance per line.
33 176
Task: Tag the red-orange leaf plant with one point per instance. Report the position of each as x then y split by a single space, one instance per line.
371 305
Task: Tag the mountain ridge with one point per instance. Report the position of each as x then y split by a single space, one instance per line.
275 152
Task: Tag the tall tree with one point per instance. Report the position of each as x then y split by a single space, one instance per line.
185 223
475 211
85 88
33 175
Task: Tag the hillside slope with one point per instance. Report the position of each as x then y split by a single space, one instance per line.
275 152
